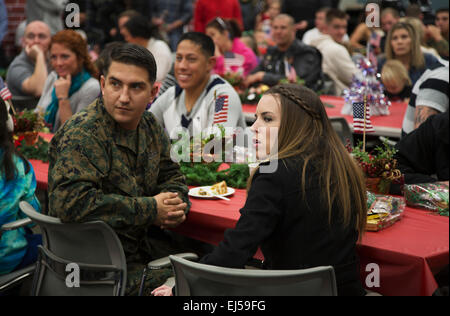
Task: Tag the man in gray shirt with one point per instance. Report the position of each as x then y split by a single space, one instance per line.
48 11
29 70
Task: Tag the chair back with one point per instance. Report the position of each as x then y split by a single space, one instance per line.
24 103
195 279
343 130
77 259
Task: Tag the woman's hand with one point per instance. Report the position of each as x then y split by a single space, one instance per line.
62 86
163 290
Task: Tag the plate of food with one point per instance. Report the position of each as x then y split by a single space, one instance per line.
218 190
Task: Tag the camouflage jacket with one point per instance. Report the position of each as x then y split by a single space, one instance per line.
99 171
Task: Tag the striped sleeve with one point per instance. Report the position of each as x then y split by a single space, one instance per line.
431 90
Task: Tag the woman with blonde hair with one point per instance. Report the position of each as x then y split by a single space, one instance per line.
403 44
396 81
72 85
311 209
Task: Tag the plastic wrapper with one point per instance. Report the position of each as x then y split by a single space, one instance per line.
383 211
428 196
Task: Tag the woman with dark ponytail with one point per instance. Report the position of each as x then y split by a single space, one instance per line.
18 248
232 54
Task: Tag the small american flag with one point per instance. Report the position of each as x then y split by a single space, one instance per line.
234 63
5 94
359 120
221 109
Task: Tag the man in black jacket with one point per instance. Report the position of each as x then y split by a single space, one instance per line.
288 59
423 155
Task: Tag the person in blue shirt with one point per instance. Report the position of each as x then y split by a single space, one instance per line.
170 16
3 30
18 248
3 20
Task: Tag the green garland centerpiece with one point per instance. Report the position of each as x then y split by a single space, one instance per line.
207 167
379 166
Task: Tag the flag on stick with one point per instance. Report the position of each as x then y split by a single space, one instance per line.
6 95
361 118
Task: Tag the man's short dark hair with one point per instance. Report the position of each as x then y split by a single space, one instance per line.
140 26
414 11
441 10
335 14
204 41
132 54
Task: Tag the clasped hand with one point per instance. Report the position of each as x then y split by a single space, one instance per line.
170 210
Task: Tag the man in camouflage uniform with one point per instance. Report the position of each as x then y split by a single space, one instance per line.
112 162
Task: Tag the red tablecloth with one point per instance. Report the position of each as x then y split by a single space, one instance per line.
407 253
389 125
41 168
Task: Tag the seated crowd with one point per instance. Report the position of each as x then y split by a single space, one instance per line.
114 112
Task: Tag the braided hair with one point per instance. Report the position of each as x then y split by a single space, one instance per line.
288 93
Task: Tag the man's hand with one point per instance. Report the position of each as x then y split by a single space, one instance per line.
434 32
157 21
62 86
301 25
172 26
33 51
170 210
256 77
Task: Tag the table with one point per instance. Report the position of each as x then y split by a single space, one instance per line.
407 253
389 126
41 168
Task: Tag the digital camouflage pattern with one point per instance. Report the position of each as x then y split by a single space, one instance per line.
99 171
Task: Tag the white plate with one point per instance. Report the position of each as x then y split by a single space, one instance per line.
194 192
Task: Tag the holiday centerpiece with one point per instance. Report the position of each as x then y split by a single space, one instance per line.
379 166
212 158
366 84
27 126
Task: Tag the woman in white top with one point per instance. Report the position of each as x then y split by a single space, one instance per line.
71 86
138 30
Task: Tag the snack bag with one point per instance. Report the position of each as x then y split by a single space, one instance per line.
383 211
429 196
